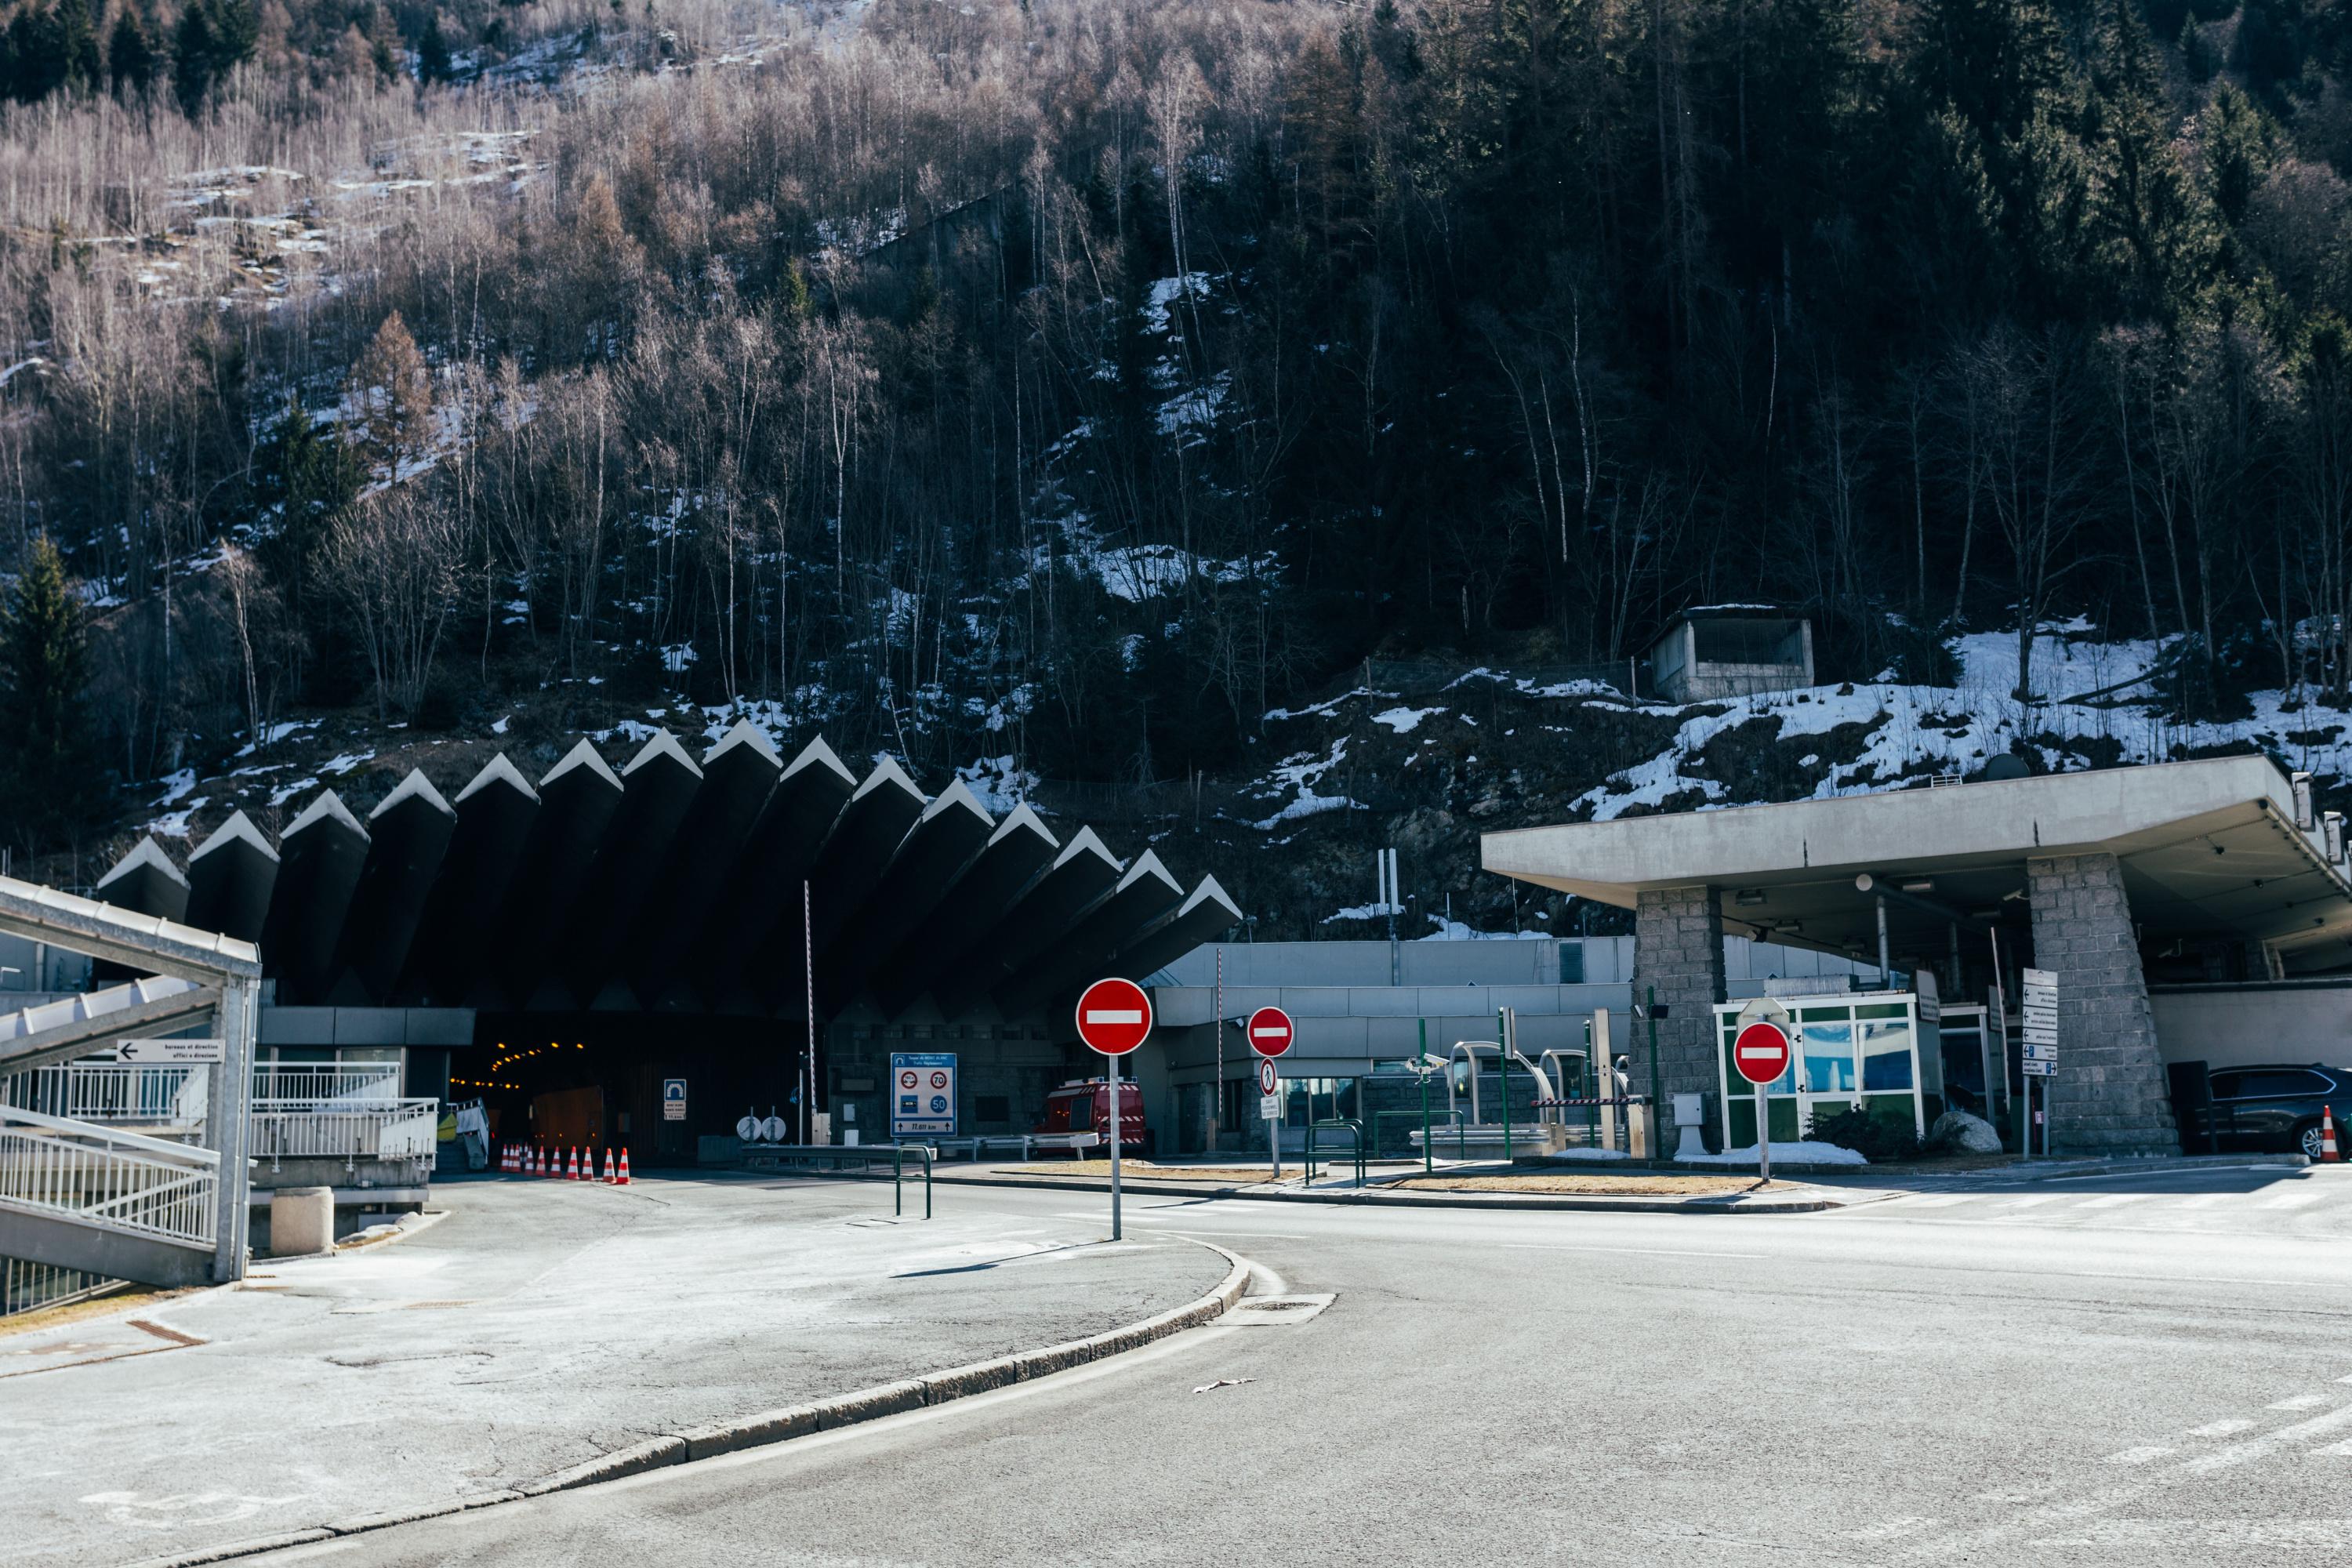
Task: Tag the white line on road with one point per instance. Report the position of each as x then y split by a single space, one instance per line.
1939 1203
2291 1200
2112 1200
2255 1447
2299 1401
1629 1251
2034 1202
2223 1429
2139 1455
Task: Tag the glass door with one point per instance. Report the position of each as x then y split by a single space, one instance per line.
1827 1082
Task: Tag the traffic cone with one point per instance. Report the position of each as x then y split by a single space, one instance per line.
572 1166
2328 1150
542 1161
623 1179
608 1166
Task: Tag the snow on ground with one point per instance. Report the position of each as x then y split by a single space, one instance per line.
1301 772
1454 931
1805 1154
1165 292
999 784
1916 729
1403 720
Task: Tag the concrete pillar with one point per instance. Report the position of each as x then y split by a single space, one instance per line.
2109 1095
1678 949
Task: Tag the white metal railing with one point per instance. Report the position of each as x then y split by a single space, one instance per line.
171 1096
105 1176
295 1087
27 1287
389 1130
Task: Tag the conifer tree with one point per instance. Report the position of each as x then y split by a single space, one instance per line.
49 775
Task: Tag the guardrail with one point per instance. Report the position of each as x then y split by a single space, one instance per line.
175 1096
104 1177
1347 1124
864 1155
299 1087
27 1287
346 1131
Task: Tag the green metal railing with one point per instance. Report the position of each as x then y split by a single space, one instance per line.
864 1155
1355 1131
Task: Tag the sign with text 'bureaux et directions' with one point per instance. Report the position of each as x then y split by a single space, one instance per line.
170 1053
922 1094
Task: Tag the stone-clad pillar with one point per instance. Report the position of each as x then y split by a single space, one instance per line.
1678 948
2109 1095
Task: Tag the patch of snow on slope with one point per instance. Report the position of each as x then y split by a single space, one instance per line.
1403 720
1301 772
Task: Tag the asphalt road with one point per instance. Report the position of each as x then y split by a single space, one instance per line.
2153 1369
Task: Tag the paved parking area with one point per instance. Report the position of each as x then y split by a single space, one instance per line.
537 1327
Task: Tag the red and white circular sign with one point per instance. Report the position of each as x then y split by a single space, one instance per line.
1270 1032
1760 1052
939 1081
1267 1082
1114 1016
906 1080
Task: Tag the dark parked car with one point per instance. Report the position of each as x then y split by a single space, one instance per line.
2278 1107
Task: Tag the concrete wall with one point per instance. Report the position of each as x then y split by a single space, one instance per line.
2237 1026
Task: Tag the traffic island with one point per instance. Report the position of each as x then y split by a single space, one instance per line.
546 1335
1642 1185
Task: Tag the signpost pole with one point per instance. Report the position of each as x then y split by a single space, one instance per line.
1111 1070
1423 1063
1503 1070
1274 1140
1650 1011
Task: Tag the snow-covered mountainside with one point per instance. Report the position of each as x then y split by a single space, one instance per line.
1425 771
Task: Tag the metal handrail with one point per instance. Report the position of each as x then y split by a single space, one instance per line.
866 1154
296 1086
349 1131
176 1094
1355 1131
104 1177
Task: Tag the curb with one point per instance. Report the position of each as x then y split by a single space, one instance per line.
1373 1197
781 1425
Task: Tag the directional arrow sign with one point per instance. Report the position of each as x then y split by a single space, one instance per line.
1114 1016
1270 1031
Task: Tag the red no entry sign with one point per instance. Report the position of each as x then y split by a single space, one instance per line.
1269 1031
1114 1016
1760 1052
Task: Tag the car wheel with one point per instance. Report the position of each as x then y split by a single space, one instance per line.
2306 1139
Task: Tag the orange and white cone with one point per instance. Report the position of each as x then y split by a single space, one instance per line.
542 1161
608 1166
572 1165
623 1180
2328 1155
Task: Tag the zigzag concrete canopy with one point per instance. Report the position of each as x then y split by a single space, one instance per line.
676 886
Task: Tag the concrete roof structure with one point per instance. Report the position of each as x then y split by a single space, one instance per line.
673 885
2207 849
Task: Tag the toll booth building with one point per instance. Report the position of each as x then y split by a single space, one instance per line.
2194 917
625 958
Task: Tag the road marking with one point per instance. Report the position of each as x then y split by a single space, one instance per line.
2112 1200
2337 1450
2139 1455
2036 1201
2291 1200
2205 1200
2255 1447
1628 1251
2299 1401
2223 1429
1939 1203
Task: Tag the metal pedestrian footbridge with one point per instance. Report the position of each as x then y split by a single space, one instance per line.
115 1170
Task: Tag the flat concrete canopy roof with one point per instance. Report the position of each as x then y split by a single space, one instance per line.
2208 849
